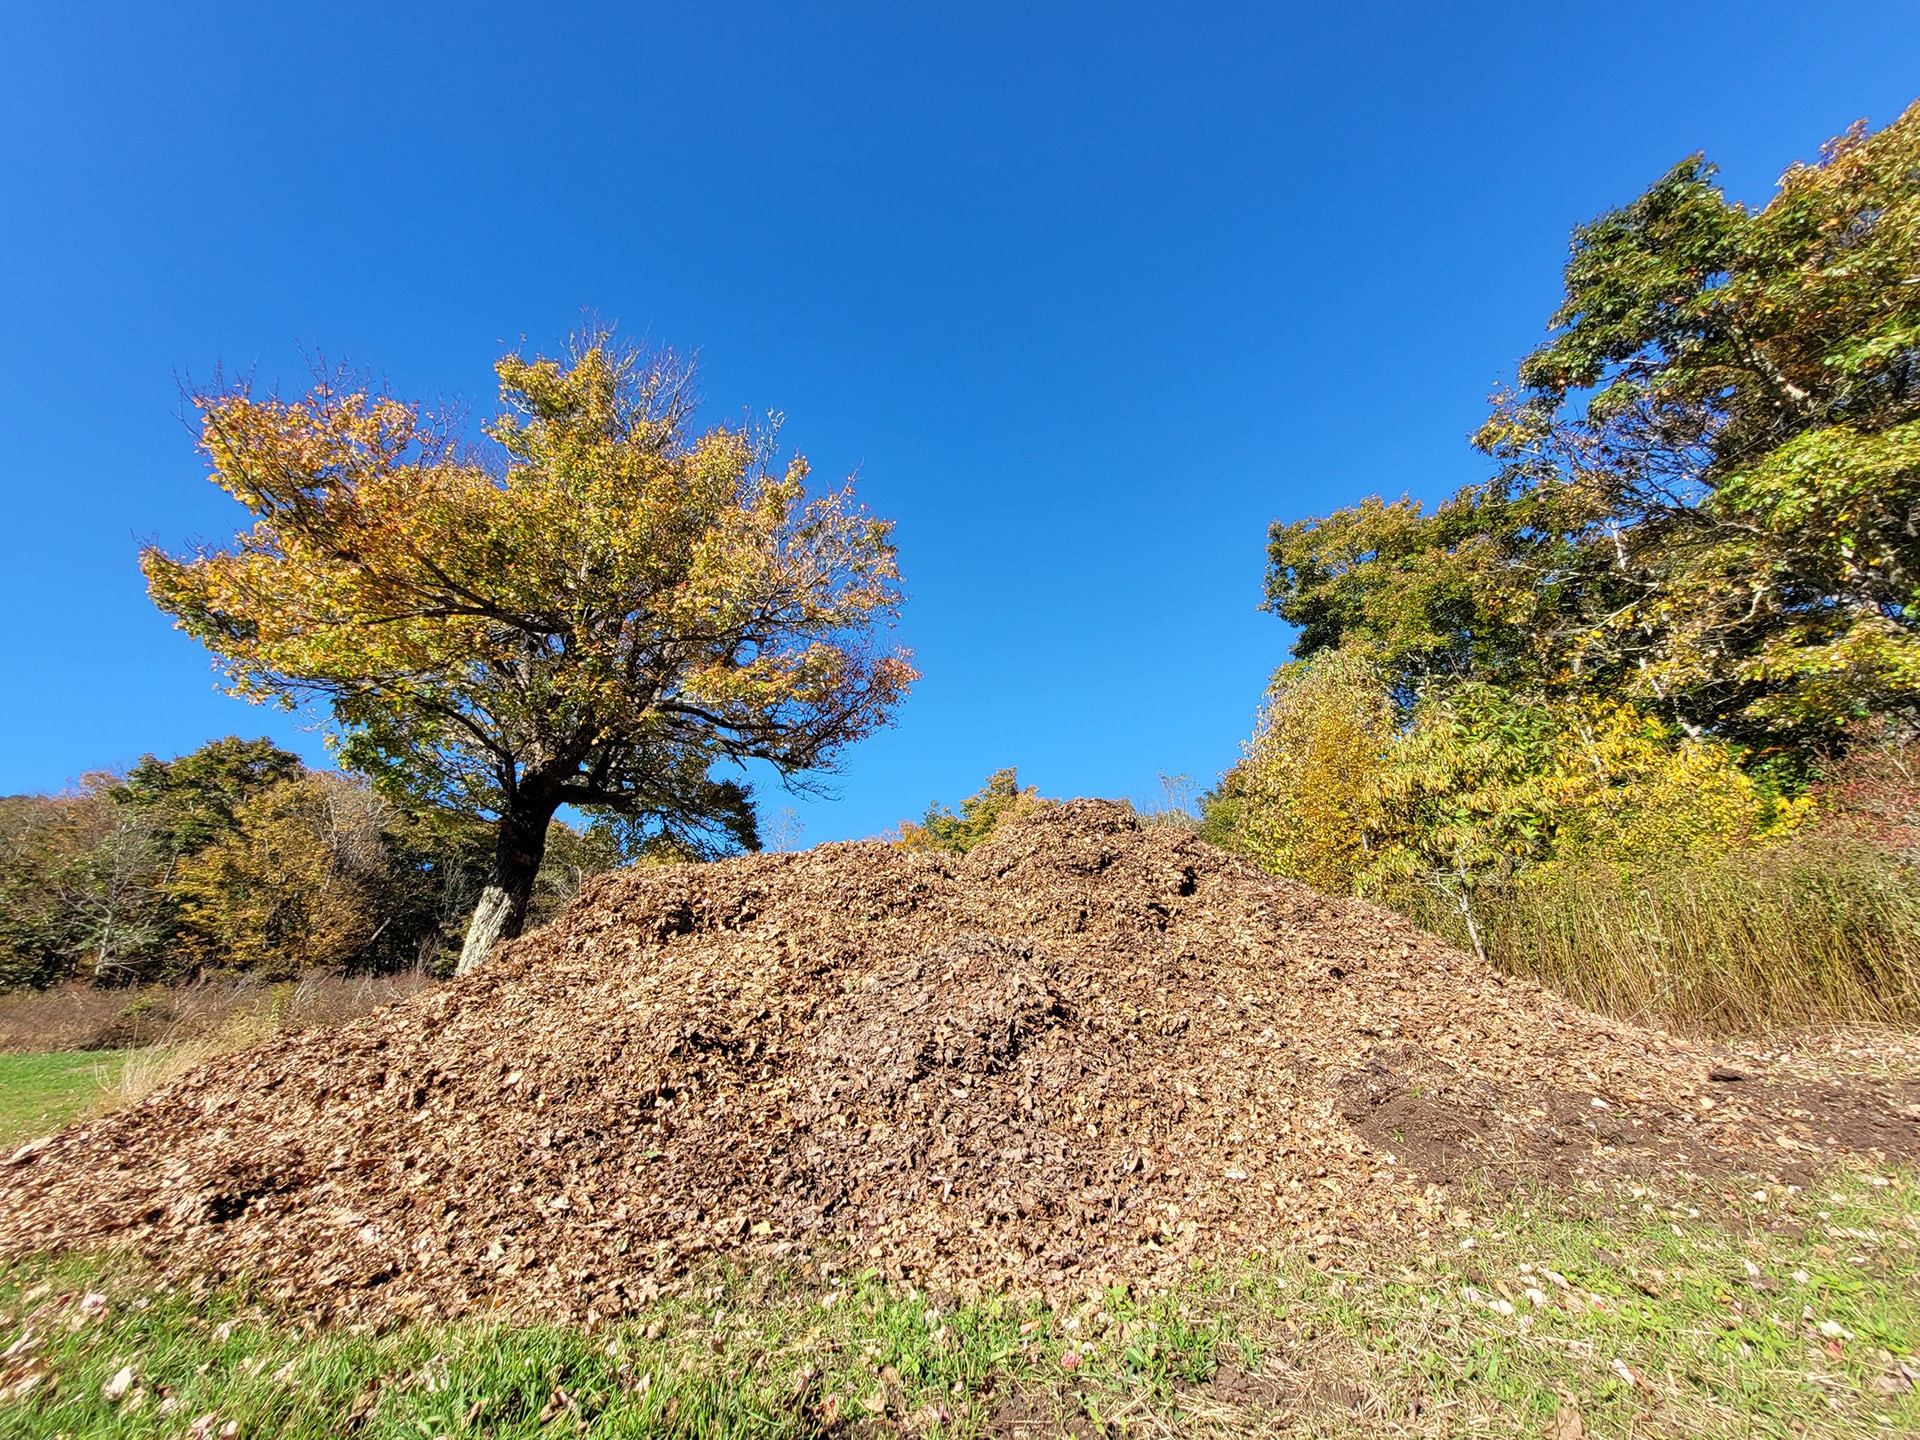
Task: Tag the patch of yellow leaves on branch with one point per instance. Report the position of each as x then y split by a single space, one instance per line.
1340 789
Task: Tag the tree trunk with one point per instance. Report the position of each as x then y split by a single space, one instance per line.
1466 912
519 846
1473 930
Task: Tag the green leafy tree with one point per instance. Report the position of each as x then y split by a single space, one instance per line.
1709 475
192 800
596 613
981 813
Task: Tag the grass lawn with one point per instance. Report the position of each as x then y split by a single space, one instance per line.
41 1093
1764 1312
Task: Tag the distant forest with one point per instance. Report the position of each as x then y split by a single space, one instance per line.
238 858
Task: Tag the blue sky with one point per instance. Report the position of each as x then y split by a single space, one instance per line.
1086 294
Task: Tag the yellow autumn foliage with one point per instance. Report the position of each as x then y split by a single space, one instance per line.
1623 788
293 886
1305 797
981 813
1473 786
608 609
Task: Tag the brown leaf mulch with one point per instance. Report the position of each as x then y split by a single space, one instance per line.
1087 1051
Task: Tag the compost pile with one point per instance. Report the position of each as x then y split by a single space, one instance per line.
1087 1051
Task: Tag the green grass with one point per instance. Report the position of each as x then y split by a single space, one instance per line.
1790 1314
41 1093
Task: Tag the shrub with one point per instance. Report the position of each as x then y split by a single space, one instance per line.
981 813
1584 843
1303 801
1471 785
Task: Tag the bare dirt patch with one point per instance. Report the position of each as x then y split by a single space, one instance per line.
1085 1052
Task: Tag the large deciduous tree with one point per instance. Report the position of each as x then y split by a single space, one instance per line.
1708 496
598 610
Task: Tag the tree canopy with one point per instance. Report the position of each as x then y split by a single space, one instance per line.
1707 494
236 858
600 609
981 813
1689 584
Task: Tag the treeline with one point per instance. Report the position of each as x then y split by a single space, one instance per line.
1637 711
237 858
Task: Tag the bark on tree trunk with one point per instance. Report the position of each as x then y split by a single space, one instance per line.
487 928
1465 901
519 847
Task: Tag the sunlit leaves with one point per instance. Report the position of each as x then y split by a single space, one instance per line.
1708 499
1474 784
981 813
593 612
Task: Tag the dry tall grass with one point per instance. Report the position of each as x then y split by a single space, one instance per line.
79 1016
1171 804
216 1019
147 1038
61 1017
1822 930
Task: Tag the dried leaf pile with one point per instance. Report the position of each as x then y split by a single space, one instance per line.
1086 1051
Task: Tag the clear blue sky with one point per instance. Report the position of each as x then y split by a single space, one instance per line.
1086 294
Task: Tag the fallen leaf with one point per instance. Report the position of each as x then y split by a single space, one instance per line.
26 1383
362 1407
1632 1376
27 1151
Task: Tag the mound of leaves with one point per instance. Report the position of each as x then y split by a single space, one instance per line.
1087 1051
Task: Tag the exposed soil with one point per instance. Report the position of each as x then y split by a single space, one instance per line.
1086 1051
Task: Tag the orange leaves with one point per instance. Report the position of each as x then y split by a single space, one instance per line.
272 455
609 578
